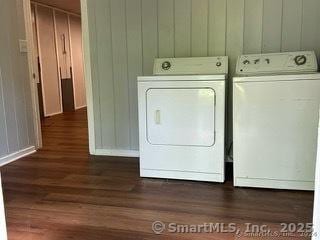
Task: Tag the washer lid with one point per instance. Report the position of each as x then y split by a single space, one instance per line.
191 66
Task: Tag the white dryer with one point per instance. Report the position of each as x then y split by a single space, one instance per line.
276 100
182 119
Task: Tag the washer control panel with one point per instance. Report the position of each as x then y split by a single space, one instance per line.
191 66
273 63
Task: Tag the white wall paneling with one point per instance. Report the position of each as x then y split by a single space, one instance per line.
16 119
199 28
234 48
149 23
272 25
217 25
31 37
126 36
166 28
310 36
88 16
9 101
135 65
3 124
120 72
291 25
182 27
104 86
253 13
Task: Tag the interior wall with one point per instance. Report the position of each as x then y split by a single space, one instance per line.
126 36
16 120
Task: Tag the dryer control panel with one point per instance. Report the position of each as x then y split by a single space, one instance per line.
277 63
191 66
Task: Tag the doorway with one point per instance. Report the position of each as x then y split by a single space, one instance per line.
57 57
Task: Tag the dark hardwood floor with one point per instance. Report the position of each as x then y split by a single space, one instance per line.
61 192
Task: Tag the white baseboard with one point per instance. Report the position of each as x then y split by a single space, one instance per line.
53 114
116 153
80 107
16 155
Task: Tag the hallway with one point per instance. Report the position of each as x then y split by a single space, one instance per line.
61 192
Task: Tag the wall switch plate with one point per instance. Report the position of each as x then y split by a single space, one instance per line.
23 45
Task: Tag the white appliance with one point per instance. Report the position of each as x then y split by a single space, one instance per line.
182 119
316 209
276 99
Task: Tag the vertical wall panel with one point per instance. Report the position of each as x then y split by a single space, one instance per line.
93 39
149 34
182 28
16 133
20 77
6 41
26 101
217 27
291 25
310 36
166 28
272 25
199 28
3 131
3 128
253 26
134 42
235 29
235 11
105 74
120 73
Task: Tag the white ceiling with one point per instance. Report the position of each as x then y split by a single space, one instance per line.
68 5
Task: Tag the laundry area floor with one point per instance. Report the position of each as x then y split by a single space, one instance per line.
61 192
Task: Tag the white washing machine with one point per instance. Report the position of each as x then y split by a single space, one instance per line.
276 101
182 119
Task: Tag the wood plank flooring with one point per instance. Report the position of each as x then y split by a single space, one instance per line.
61 192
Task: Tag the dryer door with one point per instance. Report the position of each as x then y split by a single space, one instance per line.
181 116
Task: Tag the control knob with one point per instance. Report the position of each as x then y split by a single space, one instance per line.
166 65
300 60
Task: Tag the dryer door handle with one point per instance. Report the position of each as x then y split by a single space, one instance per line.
157 117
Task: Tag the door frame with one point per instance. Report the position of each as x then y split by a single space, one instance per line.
33 76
